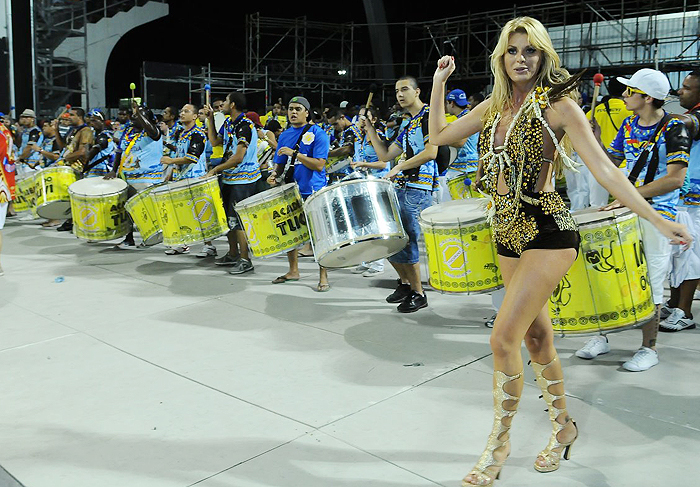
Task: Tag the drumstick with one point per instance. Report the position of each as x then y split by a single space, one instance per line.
372 89
132 87
598 80
207 90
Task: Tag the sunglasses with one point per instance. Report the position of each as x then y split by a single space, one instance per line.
631 91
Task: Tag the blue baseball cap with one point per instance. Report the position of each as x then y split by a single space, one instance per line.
457 96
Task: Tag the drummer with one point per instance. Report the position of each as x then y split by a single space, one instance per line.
46 147
137 159
645 94
302 151
73 151
366 158
348 134
416 179
239 173
100 155
467 160
29 134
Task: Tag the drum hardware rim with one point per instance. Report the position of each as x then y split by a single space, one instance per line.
482 291
450 224
370 239
260 200
337 185
280 252
637 324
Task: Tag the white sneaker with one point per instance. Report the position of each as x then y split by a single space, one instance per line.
371 272
677 321
644 359
182 249
126 245
28 218
665 311
207 251
360 269
597 345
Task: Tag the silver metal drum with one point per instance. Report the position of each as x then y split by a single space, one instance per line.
355 221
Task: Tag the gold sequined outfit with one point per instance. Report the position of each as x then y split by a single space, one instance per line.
524 218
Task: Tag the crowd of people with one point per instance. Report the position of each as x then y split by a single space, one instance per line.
513 147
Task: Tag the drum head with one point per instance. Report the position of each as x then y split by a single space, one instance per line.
268 195
97 187
458 211
592 215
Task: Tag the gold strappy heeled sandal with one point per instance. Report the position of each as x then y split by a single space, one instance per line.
481 476
551 455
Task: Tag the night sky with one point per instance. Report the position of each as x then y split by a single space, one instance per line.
214 32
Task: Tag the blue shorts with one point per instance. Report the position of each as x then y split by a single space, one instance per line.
411 202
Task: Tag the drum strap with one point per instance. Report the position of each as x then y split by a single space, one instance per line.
651 147
292 160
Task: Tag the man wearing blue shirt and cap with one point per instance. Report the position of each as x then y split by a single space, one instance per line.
304 148
467 160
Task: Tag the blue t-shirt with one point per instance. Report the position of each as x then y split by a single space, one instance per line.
34 134
690 193
104 140
237 132
412 141
190 145
673 146
314 143
140 157
364 151
468 155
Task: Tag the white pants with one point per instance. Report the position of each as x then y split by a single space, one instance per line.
443 193
685 264
577 188
598 196
657 250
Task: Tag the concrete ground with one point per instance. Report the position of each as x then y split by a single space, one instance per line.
133 368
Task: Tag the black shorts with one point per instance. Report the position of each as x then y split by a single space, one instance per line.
232 194
546 239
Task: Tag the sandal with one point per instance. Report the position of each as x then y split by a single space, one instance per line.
283 279
322 288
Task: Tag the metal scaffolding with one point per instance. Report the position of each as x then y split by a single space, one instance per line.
622 36
59 80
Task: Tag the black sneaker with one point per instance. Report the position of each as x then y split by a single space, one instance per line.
228 260
401 292
241 267
413 302
67 226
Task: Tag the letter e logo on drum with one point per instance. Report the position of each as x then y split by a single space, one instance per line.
202 210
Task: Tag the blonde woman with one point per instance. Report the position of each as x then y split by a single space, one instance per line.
523 129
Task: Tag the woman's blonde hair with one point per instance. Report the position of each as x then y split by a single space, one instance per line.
550 73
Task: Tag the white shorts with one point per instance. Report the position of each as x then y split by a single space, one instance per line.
657 250
3 214
685 265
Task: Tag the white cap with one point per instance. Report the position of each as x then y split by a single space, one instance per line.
343 104
652 82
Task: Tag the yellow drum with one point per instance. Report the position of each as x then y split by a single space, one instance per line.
460 248
607 289
51 190
24 195
335 164
190 211
142 209
462 186
274 221
97 206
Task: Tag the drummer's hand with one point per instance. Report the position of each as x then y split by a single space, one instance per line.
110 175
165 160
208 110
271 180
356 164
445 67
366 123
612 206
212 172
285 151
393 173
